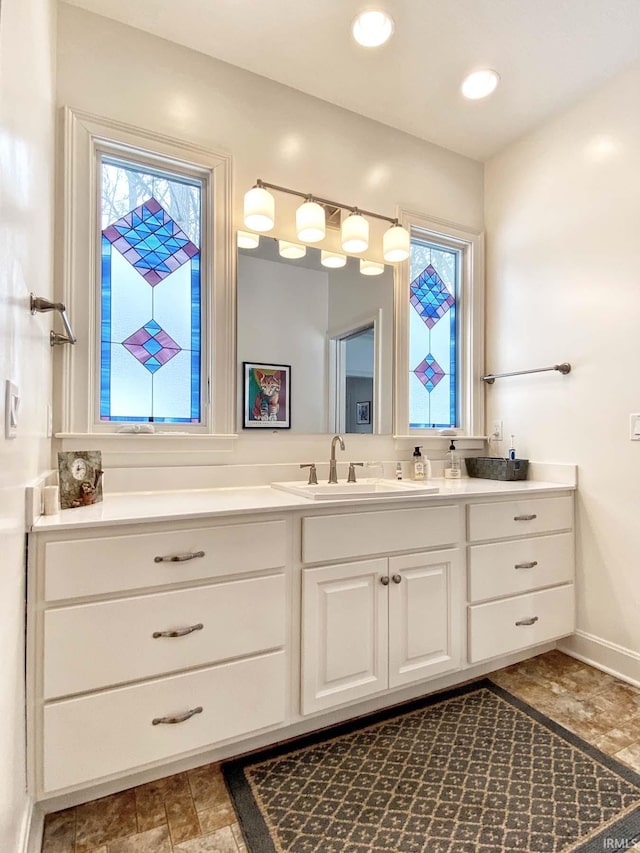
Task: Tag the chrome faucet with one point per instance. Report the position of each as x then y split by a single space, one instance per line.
333 471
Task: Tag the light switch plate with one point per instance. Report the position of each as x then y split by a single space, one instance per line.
11 406
634 427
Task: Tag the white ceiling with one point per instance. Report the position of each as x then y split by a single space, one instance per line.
548 53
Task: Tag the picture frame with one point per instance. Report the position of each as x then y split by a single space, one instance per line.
80 478
363 412
266 395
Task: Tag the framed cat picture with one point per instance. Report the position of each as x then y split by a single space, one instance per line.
266 396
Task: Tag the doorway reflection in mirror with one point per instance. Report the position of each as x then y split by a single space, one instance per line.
333 326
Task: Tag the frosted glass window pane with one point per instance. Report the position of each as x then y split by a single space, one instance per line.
150 295
433 399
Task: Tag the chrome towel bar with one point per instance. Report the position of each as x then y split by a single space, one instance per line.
563 368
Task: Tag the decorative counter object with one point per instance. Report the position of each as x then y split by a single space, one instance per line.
80 476
490 468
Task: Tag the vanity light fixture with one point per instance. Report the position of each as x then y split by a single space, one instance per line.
247 240
259 209
291 250
333 260
310 222
370 267
259 215
396 244
372 28
479 84
355 233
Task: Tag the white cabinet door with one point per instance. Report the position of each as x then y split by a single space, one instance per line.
344 633
425 621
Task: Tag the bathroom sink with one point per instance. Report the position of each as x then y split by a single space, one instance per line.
362 489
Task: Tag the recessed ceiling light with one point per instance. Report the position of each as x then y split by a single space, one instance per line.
372 28
480 83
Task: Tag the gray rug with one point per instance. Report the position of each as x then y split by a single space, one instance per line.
474 770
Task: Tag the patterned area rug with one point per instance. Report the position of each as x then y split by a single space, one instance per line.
474 770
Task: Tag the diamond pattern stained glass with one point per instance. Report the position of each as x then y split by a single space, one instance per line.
432 336
430 296
151 241
429 372
152 346
150 364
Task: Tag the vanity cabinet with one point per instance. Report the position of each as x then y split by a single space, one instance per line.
154 644
520 584
381 623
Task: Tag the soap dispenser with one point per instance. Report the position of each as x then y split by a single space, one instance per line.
418 463
453 471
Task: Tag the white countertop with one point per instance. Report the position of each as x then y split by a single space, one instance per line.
138 507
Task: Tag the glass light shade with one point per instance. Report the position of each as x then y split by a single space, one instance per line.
247 240
355 233
332 259
372 28
371 267
259 210
310 222
291 250
396 244
480 84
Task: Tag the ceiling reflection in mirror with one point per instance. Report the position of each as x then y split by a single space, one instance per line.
333 327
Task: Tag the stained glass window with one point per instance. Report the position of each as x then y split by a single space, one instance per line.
150 295
433 399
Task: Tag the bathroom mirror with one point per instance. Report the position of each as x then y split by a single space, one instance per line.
333 327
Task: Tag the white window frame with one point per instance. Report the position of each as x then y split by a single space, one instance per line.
470 331
76 368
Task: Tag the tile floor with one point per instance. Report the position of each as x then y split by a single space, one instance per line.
191 812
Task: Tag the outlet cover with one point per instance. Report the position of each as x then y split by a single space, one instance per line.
496 431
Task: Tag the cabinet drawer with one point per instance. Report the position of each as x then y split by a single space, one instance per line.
106 733
522 565
335 537
91 646
515 518
119 563
493 630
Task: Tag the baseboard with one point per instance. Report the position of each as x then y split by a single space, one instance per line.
32 829
609 657
30 839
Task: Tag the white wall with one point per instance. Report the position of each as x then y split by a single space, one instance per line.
284 310
273 132
27 31
563 284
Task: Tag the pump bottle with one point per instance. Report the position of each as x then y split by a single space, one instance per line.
453 471
418 464
421 465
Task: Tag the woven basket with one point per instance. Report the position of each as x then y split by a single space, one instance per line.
490 468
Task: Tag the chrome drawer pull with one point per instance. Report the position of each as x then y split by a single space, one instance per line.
179 558
384 580
180 632
179 718
524 517
396 578
531 621
530 565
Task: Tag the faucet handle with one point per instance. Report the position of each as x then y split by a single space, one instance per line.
351 476
313 475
